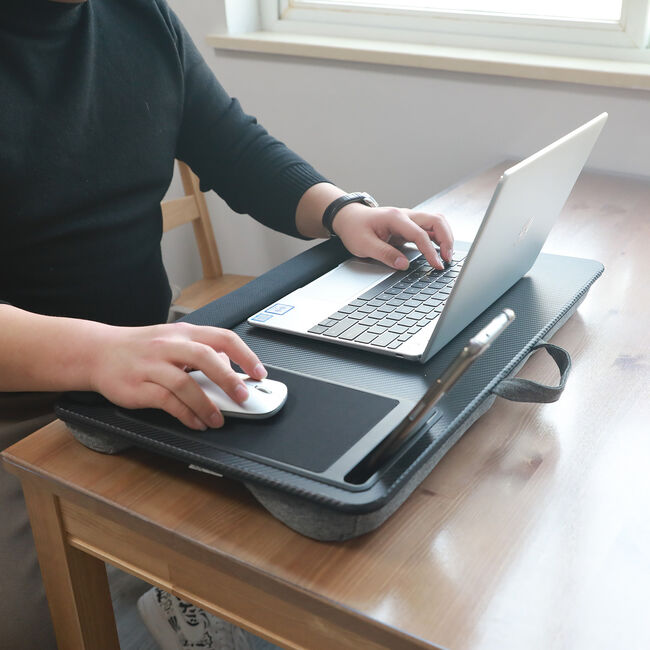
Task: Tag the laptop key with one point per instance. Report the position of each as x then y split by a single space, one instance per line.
328 322
386 322
382 286
377 329
357 303
394 316
369 320
404 337
366 308
394 344
336 316
408 322
398 329
384 339
404 310
340 327
352 332
366 337
346 309
317 329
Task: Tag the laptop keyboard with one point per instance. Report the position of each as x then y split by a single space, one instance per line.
395 309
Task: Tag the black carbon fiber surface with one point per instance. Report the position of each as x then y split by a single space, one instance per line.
542 300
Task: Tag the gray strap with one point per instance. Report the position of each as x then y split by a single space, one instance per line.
524 390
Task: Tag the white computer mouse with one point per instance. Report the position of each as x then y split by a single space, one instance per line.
265 397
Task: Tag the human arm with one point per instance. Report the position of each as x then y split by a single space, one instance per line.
366 231
134 367
257 174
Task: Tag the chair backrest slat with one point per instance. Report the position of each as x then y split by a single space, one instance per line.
177 212
193 208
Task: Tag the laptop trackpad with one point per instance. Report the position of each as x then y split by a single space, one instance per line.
346 281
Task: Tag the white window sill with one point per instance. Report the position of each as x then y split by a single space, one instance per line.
600 72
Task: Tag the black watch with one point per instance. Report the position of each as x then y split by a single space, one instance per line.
341 202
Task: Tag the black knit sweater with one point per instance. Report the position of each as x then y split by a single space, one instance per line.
96 101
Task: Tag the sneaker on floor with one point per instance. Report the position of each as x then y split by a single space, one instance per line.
176 624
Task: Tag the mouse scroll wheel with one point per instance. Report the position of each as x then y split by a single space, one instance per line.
263 389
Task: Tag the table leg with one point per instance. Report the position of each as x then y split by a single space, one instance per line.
75 583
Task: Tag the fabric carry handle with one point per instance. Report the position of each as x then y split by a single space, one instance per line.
524 390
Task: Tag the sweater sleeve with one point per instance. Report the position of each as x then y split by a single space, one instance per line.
231 153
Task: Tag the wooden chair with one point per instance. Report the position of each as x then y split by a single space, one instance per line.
193 208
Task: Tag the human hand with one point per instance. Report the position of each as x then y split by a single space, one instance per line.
377 232
145 367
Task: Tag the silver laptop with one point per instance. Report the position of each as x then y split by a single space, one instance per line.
412 314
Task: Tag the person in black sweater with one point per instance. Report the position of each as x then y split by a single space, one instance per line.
98 98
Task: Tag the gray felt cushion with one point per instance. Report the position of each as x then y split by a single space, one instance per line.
105 443
327 525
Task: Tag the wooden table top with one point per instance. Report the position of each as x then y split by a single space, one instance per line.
533 531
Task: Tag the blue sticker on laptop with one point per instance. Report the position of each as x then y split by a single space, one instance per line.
262 318
279 309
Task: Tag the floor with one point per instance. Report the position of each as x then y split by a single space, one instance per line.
125 590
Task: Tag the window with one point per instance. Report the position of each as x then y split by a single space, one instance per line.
576 9
593 29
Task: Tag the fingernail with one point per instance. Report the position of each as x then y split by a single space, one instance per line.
216 420
199 425
260 371
241 393
401 263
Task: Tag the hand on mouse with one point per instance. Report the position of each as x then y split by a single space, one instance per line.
145 367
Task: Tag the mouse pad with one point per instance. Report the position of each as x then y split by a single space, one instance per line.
319 422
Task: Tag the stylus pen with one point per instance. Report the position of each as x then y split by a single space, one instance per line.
422 411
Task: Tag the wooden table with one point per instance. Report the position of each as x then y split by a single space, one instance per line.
533 532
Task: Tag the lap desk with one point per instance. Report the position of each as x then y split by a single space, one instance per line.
342 402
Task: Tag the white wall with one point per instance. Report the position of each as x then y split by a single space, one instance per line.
401 134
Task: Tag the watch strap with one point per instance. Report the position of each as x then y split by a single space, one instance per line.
336 205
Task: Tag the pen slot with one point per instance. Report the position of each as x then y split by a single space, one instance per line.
366 468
